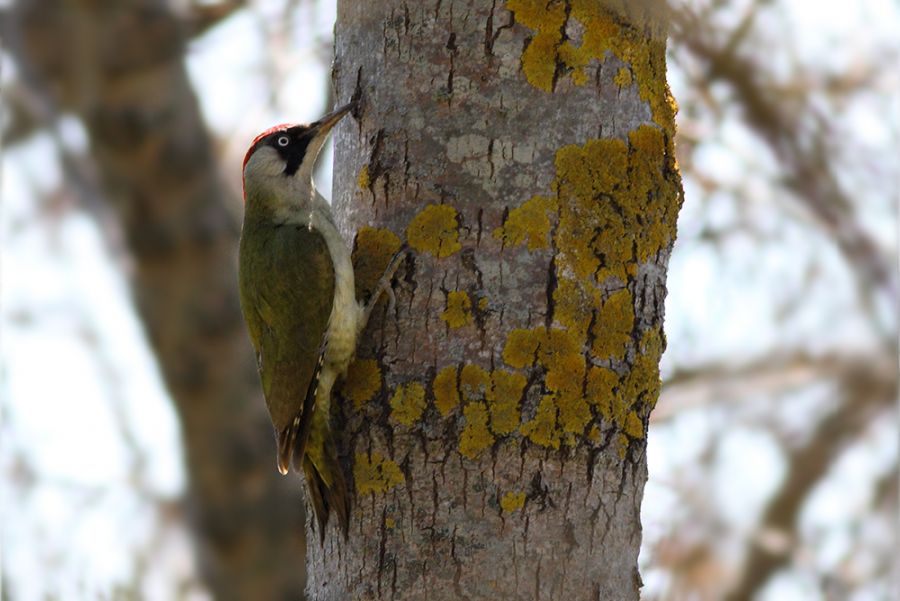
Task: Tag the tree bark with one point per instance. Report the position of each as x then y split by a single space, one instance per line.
495 422
119 67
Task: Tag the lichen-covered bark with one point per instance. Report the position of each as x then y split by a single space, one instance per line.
496 420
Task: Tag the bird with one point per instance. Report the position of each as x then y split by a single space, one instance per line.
298 298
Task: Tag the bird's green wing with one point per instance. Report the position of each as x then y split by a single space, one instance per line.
287 289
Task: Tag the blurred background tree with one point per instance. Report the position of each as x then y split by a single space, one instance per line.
136 458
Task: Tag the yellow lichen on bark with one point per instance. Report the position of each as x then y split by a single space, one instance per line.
575 305
512 501
372 252
634 425
363 382
623 78
617 205
362 179
475 436
655 191
590 182
642 384
375 474
408 403
547 20
611 209
623 35
435 230
521 347
446 394
612 329
474 382
542 428
492 400
459 309
601 384
528 223
503 401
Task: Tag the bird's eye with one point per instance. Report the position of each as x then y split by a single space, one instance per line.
283 140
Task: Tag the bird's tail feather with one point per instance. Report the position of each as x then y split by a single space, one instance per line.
328 491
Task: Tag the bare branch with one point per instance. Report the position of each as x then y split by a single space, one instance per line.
811 175
688 389
862 398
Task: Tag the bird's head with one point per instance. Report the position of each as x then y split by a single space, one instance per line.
278 166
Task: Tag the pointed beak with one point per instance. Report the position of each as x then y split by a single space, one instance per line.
324 125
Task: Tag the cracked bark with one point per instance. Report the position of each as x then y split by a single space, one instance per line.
449 119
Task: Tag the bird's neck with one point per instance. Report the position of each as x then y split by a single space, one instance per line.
294 202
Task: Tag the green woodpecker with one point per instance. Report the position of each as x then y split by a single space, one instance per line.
299 301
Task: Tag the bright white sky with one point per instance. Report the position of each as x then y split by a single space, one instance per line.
77 373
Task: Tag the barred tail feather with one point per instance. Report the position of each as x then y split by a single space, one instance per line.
315 487
325 498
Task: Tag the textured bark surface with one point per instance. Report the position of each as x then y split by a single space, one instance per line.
118 67
496 420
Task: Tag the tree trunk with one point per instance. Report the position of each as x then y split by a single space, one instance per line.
496 420
118 67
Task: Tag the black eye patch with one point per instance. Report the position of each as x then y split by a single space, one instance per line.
291 145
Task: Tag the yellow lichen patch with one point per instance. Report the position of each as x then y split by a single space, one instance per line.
601 384
623 77
363 382
475 436
592 184
556 349
622 445
561 353
363 180
617 205
474 382
547 20
512 501
634 426
408 403
628 401
542 429
528 223
521 347
390 522
574 413
446 394
372 253
565 374
635 38
574 304
503 401
642 383
658 212
459 309
629 38
375 474
612 330
435 230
